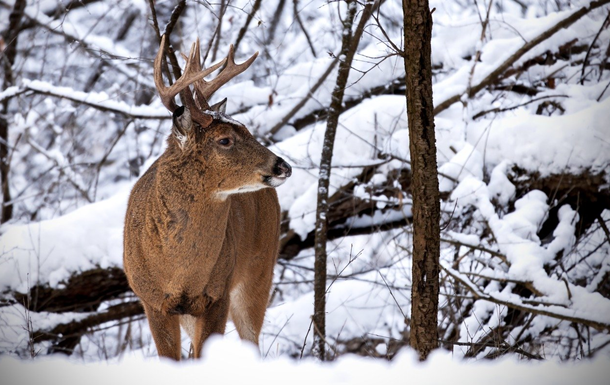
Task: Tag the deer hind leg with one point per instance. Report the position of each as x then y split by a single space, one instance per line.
165 330
248 304
213 321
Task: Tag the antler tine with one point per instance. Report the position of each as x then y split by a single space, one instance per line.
207 89
196 67
192 73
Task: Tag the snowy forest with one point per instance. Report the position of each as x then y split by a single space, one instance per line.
522 123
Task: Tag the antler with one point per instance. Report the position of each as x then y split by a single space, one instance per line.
205 89
192 73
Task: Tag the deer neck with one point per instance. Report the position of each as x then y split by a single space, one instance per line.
187 193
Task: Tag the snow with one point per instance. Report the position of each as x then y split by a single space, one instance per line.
49 251
100 100
232 362
572 142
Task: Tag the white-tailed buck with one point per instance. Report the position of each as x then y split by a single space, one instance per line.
202 226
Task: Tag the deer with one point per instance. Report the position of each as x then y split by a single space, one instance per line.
202 225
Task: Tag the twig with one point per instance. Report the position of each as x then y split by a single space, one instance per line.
388 40
323 337
300 22
277 334
586 61
167 32
218 31
477 55
602 224
604 90
106 155
305 339
500 109
242 31
392 294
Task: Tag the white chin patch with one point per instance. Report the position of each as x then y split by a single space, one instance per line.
222 195
275 181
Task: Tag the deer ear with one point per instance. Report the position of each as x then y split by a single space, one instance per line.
221 106
182 120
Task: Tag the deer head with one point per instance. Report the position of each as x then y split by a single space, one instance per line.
231 158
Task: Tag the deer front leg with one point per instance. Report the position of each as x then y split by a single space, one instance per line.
165 330
213 321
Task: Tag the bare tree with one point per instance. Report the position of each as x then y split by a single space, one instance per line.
319 316
426 206
349 45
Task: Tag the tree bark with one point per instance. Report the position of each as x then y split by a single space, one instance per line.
424 184
10 53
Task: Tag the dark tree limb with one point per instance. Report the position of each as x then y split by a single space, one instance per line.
83 292
167 31
65 337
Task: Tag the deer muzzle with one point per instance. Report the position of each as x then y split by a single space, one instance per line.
281 172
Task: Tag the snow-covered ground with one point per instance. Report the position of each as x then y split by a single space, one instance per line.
233 363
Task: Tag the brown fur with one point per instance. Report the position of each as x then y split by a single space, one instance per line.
195 250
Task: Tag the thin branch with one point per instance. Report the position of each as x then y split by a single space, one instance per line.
300 22
500 109
586 61
602 224
477 55
96 100
244 29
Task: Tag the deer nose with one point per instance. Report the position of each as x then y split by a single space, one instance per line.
282 169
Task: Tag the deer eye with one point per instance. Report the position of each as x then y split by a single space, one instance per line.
225 142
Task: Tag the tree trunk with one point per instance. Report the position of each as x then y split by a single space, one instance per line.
346 56
10 53
426 206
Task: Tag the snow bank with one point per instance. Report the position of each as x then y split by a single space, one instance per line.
49 251
233 362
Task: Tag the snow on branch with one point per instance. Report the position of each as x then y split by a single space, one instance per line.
98 46
515 302
98 100
512 59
